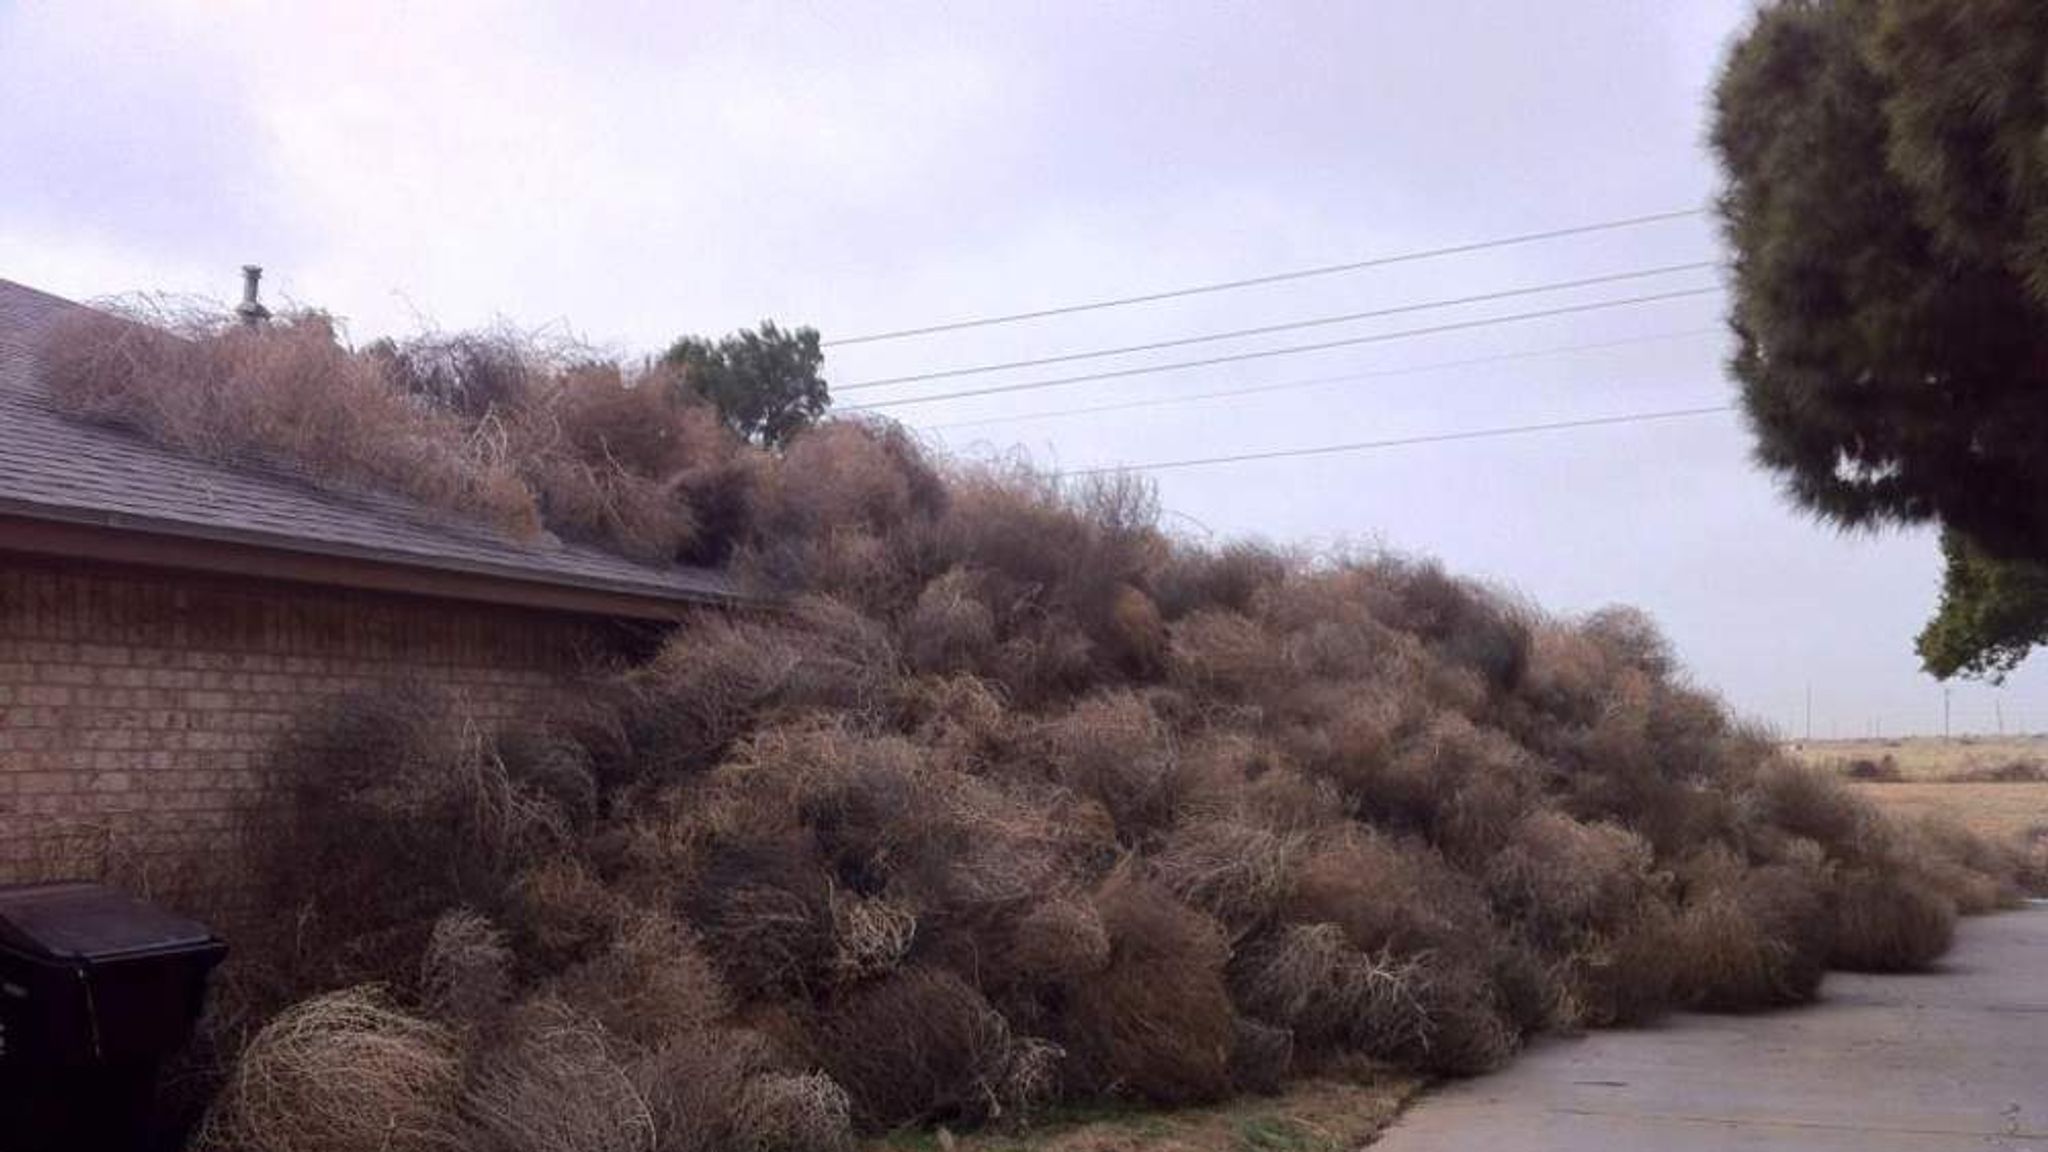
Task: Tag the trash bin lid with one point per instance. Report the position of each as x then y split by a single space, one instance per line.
83 921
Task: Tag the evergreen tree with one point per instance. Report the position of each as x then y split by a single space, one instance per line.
1887 200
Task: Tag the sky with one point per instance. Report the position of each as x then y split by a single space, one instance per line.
628 173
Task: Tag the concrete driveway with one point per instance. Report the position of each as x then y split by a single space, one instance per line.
1952 1059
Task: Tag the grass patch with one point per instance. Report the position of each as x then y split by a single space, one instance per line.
1316 1115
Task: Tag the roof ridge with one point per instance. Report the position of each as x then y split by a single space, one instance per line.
32 290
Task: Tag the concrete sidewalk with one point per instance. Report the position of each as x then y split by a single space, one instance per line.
1952 1059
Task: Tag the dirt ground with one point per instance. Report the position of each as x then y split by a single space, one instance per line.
1313 1116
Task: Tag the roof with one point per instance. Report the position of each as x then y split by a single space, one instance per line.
78 482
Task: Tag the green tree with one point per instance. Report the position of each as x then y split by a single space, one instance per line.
1992 613
1887 200
764 383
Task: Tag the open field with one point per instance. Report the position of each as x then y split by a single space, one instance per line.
1930 758
1319 1115
1998 811
1994 786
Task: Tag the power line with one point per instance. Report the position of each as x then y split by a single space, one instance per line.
1292 385
1289 326
1275 278
1405 441
1292 350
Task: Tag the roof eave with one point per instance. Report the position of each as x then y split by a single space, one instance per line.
108 537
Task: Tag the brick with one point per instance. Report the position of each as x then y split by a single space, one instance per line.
143 708
45 695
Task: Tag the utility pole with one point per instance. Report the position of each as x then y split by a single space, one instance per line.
1945 692
1998 707
1809 711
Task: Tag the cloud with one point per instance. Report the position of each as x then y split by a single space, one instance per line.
640 170
127 128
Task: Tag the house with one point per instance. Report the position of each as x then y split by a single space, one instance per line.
163 618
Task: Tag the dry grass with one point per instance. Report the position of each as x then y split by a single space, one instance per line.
496 427
621 460
924 1046
1116 750
1311 980
1562 880
555 1085
1927 759
2010 819
466 974
1884 924
2003 812
1156 1020
794 1112
562 913
951 628
1238 872
1261 1056
343 1072
1057 941
722 1089
396 809
1749 938
1414 833
765 911
1193 577
679 712
870 935
1401 907
651 984
288 395
1017 803
829 519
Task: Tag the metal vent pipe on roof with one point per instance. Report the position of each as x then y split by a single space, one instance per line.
251 309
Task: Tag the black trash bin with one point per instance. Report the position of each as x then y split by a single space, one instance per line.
96 989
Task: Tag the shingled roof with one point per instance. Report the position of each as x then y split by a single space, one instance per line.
71 487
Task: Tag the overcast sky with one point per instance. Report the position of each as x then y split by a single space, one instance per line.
633 172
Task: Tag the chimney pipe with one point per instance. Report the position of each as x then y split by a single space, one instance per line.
251 309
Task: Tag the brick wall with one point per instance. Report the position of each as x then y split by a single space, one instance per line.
136 708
